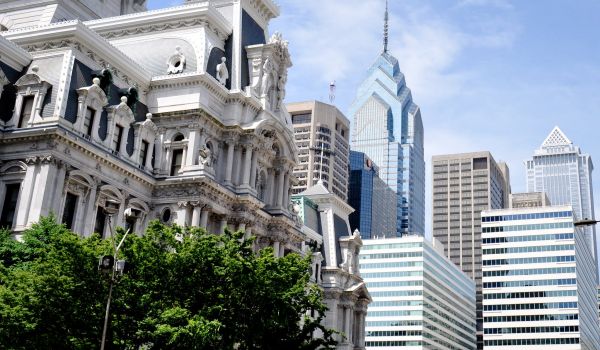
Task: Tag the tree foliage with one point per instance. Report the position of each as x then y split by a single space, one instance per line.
185 289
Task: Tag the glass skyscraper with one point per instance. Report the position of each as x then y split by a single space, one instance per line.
374 202
560 169
388 128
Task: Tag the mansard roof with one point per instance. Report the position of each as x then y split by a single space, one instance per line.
76 33
556 138
13 55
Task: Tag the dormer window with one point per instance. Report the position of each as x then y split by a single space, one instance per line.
120 119
144 136
26 111
31 93
92 100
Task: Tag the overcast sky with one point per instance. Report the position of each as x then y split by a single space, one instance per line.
493 75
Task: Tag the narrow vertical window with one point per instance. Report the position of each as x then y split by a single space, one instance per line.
10 205
176 161
26 111
100 221
117 137
88 122
144 152
69 210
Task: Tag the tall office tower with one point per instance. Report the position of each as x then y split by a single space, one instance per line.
560 169
464 185
421 300
539 281
388 128
374 202
320 130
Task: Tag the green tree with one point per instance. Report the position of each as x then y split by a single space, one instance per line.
185 289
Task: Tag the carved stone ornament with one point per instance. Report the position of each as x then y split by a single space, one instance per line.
222 71
3 81
176 63
205 156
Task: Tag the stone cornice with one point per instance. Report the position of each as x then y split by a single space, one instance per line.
76 34
13 55
199 14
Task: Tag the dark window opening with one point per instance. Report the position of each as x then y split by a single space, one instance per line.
177 138
100 221
10 205
69 210
144 152
479 163
301 118
88 122
176 161
130 223
117 137
26 111
166 215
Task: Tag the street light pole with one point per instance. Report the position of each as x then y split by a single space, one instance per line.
585 222
111 209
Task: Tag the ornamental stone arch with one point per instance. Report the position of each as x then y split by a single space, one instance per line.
281 135
13 166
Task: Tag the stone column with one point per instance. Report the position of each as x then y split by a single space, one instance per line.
253 169
229 164
182 214
280 184
276 245
281 250
88 217
246 170
204 217
159 157
270 188
222 226
285 190
190 158
241 226
196 214
26 194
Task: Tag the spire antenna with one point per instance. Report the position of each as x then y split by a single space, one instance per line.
385 28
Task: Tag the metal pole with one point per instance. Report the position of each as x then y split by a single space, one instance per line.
106 315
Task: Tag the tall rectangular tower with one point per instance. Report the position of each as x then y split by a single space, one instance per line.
539 281
321 131
464 185
560 169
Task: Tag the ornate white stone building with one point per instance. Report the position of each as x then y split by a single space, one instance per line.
335 263
174 114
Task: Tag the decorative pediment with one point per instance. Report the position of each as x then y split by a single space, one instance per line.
31 79
94 91
122 110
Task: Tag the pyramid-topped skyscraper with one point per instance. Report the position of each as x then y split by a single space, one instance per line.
388 128
560 169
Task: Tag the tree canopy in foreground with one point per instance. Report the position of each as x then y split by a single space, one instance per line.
185 289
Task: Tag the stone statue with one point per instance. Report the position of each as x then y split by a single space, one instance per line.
281 90
205 155
266 77
222 72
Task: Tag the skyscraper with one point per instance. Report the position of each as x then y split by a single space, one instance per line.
539 285
374 202
560 169
388 128
464 185
320 130
421 300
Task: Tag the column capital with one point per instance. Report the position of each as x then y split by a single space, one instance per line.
183 204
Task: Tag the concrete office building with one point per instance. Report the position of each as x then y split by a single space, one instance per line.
374 202
539 281
320 130
464 185
421 300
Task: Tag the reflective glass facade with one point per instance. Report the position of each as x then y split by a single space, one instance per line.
421 300
388 128
539 281
559 169
374 202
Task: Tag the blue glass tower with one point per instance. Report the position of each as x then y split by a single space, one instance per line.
373 200
388 129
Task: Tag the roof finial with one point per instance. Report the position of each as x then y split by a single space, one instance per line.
385 28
